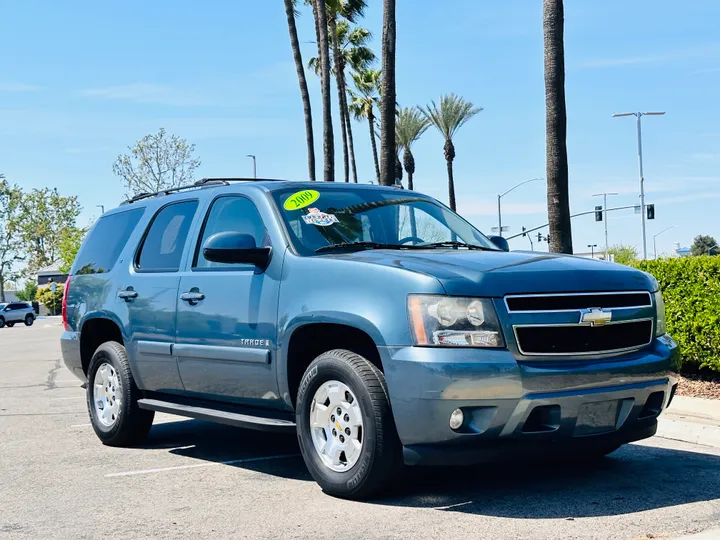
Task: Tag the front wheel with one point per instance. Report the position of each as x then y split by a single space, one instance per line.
112 398
29 320
2 322
345 425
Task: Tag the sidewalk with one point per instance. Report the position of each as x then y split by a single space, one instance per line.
693 420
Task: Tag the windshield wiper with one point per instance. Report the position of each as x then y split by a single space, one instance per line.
361 245
453 244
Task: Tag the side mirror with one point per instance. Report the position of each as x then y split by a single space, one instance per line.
500 242
236 248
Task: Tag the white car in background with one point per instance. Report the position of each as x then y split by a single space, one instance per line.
16 312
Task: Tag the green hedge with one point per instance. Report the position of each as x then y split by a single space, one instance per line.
691 289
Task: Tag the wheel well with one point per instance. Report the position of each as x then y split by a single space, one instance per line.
310 341
94 333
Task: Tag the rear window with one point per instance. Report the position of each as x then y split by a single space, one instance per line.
101 249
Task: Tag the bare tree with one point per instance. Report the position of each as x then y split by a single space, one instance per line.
156 162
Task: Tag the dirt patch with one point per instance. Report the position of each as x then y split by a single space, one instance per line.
694 386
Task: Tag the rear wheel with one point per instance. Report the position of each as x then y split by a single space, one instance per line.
10 324
112 398
345 425
29 320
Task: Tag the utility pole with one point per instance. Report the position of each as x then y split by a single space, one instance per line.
639 115
254 164
604 196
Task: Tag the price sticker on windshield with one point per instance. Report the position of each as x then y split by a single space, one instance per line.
301 199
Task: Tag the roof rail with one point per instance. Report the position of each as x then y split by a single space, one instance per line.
205 182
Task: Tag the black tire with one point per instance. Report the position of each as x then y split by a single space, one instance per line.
132 423
2 322
10 324
29 320
381 454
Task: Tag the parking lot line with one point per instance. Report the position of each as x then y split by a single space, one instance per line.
198 465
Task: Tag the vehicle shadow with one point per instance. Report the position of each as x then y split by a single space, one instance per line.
234 447
633 479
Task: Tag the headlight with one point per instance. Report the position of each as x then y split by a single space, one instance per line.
660 326
449 321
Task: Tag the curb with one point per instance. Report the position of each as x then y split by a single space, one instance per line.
690 432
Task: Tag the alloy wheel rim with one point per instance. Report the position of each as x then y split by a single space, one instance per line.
336 425
107 395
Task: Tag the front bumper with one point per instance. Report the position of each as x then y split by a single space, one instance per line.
514 406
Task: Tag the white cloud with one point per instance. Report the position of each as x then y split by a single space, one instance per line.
19 88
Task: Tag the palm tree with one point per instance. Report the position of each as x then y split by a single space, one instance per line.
321 26
387 102
353 52
410 125
363 105
294 42
556 129
448 117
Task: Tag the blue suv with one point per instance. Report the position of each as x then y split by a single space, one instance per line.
373 321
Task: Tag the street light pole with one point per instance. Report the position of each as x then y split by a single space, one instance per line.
254 164
101 207
639 116
508 191
592 250
655 236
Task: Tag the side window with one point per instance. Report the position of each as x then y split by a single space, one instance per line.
162 247
231 213
103 246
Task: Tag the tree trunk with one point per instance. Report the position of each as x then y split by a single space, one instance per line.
371 123
556 129
2 287
451 185
328 142
351 144
332 26
297 56
387 97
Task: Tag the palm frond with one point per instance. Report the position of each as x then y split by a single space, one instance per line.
450 115
410 124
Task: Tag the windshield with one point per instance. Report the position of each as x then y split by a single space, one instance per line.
322 217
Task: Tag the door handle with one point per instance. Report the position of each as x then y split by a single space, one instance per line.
128 294
193 296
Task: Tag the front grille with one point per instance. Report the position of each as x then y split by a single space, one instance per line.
572 302
581 339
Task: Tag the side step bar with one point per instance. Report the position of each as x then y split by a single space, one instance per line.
237 419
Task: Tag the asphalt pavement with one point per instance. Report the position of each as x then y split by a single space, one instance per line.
194 479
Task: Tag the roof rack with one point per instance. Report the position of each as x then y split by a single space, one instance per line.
205 182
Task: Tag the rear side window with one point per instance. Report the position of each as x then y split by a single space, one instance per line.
106 241
164 241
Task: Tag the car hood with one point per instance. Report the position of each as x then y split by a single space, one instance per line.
497 273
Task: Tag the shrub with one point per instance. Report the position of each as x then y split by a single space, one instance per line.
691 289
51 300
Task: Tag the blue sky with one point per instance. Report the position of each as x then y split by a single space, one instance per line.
77 86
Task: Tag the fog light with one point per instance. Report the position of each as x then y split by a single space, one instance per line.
456 419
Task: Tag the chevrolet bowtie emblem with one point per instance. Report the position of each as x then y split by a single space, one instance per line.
595 317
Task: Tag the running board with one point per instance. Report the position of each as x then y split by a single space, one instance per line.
237 419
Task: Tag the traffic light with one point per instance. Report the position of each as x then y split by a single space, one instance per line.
523 232
650 211
598 213
539 237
